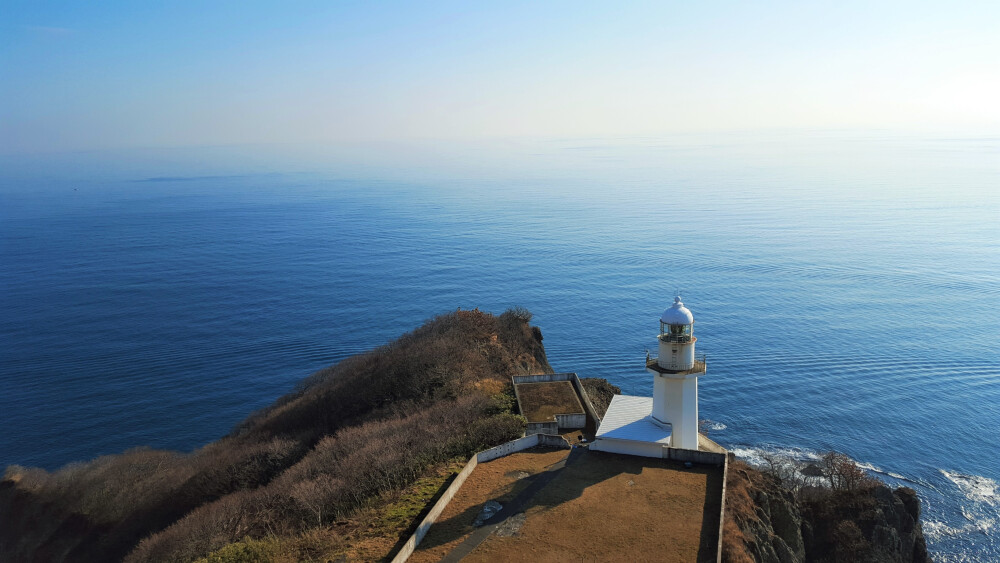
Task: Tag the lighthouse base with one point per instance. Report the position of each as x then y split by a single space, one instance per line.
629 428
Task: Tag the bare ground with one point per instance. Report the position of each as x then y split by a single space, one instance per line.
599 507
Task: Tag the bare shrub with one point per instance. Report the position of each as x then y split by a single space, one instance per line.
516 313
208 528
843 474
342 474
787 471
343 438
316 494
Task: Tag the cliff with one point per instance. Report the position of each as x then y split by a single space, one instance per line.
342 467
357 444
776 517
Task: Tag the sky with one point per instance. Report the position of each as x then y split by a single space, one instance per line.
108 75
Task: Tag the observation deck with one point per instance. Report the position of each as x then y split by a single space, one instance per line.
698 368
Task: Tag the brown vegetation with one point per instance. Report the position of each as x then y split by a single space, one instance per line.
740 509
600 393
540 402
347 440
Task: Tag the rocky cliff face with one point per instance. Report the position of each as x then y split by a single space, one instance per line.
767 523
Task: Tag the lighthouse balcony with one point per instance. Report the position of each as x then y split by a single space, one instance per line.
697 368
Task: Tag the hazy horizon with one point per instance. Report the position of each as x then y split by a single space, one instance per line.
117 76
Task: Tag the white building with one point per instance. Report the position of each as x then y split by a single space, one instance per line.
645 425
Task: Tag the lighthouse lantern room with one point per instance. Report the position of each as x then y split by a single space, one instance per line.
676 338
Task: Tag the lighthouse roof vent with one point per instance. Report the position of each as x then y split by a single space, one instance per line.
677 314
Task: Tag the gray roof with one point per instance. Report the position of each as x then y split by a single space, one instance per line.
627 418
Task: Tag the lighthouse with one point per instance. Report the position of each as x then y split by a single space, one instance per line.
666 424
675 376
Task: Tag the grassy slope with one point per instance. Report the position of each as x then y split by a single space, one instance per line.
351 439
371 534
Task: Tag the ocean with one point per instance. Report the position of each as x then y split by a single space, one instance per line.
845 286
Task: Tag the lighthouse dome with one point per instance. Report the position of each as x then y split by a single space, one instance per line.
677 314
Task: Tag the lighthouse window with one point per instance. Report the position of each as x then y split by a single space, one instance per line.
675 333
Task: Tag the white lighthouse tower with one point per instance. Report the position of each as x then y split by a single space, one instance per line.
666 424
675 376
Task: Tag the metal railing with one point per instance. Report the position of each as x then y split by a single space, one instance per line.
699 364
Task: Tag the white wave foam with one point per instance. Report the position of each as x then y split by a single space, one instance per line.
981 509
869 467
876 469
713 425
746 453
798 456
975 487
757 455
946 557
935 530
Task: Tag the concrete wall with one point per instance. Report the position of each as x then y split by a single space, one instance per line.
570 421
524 443
542 428
722 510
543 378
555 441
628 447
694 456
706 444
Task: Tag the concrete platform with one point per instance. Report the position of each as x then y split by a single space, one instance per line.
627 428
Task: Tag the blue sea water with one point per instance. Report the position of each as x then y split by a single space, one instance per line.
845 287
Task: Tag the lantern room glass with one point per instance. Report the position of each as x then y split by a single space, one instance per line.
675 333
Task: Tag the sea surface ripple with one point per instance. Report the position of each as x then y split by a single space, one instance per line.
843 301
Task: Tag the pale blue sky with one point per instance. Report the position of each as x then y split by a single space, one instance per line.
98 75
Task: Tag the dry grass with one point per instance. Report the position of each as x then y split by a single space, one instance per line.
501 480
540 402
370 534
350 437
600 506
740 508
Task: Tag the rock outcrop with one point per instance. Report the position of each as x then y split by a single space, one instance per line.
768 523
